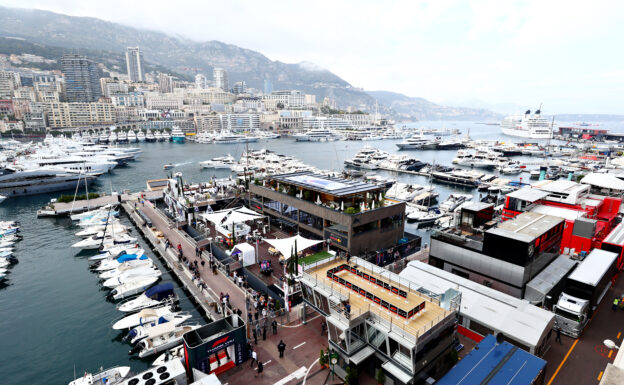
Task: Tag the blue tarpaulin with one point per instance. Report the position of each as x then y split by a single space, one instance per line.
160 292
129 257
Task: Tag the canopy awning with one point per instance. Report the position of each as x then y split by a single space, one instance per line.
607 181
286 245
228 217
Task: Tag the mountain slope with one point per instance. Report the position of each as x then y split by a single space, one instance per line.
180 55
407 107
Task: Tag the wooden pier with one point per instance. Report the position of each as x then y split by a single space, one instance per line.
155 228
58 209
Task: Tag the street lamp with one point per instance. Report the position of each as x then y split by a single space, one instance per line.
610 344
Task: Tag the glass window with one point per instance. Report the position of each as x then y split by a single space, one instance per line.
338 336
356 336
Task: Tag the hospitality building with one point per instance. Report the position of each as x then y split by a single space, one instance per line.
352 215
505 257
376 319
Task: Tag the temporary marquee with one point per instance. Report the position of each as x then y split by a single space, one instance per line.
287 245
248 253
227 217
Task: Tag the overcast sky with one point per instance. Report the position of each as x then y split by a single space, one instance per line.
567 54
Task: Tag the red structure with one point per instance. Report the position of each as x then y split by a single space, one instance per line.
589 218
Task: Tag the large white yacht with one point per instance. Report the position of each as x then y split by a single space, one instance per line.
416 142
16 181
317 135
533 126
159 136
75 164
132 137
227 137
140 136
221 162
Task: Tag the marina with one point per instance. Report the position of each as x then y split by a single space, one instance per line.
152 226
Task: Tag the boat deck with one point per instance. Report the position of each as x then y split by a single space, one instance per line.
420 312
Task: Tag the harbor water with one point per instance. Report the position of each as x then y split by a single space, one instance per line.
55 322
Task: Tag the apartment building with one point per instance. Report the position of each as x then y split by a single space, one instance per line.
61 115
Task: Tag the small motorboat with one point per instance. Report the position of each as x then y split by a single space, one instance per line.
91 213
7 243
132 288
154 296
2 198
4 263
161 337
142 317
132 275
112 376
112 227
115 263
142 331
126 267
171 354
168 166
424 218
98 240
116 251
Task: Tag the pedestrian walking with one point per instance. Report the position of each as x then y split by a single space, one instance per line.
558 338
274 326
167 244
260 369
264 333
203 263
255 336
197 252
281 347
615 304
254 357
323 327
214 269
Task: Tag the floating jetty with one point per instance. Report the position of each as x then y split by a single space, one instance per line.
58 209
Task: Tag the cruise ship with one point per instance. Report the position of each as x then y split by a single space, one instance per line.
533 126
317 135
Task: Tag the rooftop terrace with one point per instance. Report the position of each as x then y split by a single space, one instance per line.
338 187
374 291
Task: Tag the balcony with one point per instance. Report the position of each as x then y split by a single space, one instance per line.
303 199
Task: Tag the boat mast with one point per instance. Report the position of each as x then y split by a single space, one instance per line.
75 193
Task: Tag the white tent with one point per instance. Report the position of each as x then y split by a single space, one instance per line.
604 181
248 253
287 245
227 217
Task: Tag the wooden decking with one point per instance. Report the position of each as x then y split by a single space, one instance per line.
416 325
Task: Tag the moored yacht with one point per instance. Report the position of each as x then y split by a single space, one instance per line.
159 136
140 136
177 135
112 376
317 135
15 181
228 138
221 162
416 142
132 136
